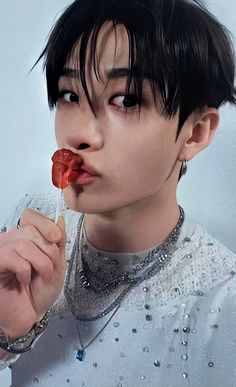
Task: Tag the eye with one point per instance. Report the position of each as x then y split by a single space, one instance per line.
68 96
125 101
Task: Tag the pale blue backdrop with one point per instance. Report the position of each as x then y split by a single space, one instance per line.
208 192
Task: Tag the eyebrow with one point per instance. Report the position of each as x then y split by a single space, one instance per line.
110 74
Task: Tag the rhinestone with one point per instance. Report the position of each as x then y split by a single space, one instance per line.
148 317
100 340
186 330
145 349
146 288
187 240
177 290
146 306
36 380
185 375
169 365
121 378
176 330
189 256
143 377
134 330
210 364
215 326
116 324
209 244
136 259
194 330
95 365
157 363
232 272
117 339
139 307
187 315
184 357
67 380
184 343
199 293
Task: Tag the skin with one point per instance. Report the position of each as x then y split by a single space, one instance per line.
132 205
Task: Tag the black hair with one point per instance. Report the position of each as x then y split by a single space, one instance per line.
178 45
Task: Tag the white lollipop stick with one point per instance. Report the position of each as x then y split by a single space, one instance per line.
60 205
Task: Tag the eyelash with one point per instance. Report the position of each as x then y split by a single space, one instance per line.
123 109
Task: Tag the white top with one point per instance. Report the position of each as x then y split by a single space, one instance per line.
176 329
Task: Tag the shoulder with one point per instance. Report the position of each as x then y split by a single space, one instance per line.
199 264
204 258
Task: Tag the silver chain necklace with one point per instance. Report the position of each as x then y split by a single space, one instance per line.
154 262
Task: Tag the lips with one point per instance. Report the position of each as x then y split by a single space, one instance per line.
83 174
89 170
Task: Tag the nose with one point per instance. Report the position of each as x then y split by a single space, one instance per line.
84 131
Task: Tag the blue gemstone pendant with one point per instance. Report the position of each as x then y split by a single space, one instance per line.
80 355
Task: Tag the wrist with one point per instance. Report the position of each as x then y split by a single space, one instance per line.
24 342
21 327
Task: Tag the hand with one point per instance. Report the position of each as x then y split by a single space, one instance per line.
32 271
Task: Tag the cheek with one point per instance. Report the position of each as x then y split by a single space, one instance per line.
58 125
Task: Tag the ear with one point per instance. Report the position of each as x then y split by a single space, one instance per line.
199 132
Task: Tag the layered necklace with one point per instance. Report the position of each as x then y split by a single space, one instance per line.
81 273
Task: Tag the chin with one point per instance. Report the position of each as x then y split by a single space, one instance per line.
77 200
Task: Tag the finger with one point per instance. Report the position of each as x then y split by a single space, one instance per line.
46 226
12 262
40 262
61 225
32 234
27 250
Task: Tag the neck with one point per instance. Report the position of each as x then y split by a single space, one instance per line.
133 228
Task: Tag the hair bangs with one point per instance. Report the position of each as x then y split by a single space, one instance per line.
177 45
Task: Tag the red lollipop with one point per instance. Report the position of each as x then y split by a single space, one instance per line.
64 161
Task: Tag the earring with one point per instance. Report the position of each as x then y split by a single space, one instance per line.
183 169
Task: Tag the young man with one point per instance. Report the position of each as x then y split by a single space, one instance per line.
148 296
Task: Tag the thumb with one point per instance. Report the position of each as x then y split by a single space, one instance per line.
61 225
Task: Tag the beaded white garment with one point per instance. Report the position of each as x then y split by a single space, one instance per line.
174 329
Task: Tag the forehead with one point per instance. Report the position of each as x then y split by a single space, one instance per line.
111 49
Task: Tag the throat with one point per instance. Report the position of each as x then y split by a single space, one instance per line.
130 235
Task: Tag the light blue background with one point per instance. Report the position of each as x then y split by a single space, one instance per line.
208 192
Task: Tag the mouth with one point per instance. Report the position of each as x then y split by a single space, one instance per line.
82 174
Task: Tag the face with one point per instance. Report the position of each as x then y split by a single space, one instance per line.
133 153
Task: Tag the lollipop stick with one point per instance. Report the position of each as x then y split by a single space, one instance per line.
59 206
